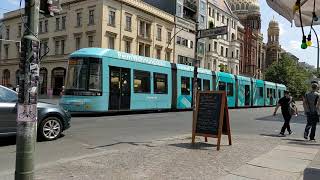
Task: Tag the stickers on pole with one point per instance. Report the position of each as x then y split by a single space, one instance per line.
27 113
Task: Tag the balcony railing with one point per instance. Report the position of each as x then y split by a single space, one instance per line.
190 4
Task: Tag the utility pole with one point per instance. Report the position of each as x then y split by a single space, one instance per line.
27 101
195 72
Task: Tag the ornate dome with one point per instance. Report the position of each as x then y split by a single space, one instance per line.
273 24
244 6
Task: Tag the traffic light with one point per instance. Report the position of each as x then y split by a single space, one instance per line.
50 8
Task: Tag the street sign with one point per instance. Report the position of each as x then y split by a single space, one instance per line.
212 32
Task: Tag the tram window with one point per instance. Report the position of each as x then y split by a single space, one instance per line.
141 81
222 86
160 83
206 85
230 89
185 85
261 91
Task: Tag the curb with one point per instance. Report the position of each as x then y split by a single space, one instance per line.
312 172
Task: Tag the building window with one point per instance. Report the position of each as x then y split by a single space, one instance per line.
218 16
90 41
185 85
57 47
227 22
19 30
178 40
209 11
158 51
112 18
79 19
57 24
209 47
222 19
203 6
6 77
6 51
111 42
127 46
43 48
169 37
237 54
221 51
226 52
62 46
7 33
144 29
128 22
91 17
141 81
159 29
78 43
202 19
160 83
232 54
63 19
215 46
40 27
144 49
46 26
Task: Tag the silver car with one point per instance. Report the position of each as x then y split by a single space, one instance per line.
52 119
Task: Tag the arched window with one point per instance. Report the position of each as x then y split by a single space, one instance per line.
43 80
6 78
247 6
242 6
237 7
232 36
232 7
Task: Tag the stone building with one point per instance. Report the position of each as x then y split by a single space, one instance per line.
251 40
130 26
223 51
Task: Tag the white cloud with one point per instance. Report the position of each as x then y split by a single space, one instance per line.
282 29
294 44
14 2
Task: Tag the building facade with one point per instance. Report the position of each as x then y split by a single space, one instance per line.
250 37
130 26
223 52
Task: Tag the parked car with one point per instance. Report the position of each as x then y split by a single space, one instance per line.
52 119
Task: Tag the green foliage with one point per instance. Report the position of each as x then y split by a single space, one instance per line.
287 72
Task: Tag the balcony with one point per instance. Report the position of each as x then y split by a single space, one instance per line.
191 5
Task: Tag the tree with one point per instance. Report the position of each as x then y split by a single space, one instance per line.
287 72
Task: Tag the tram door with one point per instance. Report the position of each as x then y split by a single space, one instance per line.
119 88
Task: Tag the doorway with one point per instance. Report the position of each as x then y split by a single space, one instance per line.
119 88
58 75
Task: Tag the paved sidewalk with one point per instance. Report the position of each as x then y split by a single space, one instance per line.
281 163
175 158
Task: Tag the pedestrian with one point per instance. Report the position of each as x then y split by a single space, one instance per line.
311 107
284 102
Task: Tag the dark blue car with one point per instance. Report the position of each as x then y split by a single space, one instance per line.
52 119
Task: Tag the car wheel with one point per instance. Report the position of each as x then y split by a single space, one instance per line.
50 128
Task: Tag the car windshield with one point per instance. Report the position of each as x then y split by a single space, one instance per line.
84 76
7 95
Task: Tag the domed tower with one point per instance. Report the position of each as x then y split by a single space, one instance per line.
248 11
273 46
273 33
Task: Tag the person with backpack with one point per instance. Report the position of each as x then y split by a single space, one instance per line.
287 111
311 106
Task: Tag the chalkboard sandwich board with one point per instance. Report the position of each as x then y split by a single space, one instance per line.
211 117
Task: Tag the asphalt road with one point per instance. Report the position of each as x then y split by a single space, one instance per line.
91 135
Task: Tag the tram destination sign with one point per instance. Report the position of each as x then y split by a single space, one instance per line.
222 30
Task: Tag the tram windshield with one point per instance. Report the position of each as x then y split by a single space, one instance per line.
84 77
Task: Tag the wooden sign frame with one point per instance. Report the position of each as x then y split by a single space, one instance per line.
224 113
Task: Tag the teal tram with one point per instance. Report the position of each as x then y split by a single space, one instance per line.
103 80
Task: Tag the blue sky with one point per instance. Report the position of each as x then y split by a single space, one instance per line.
290 37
